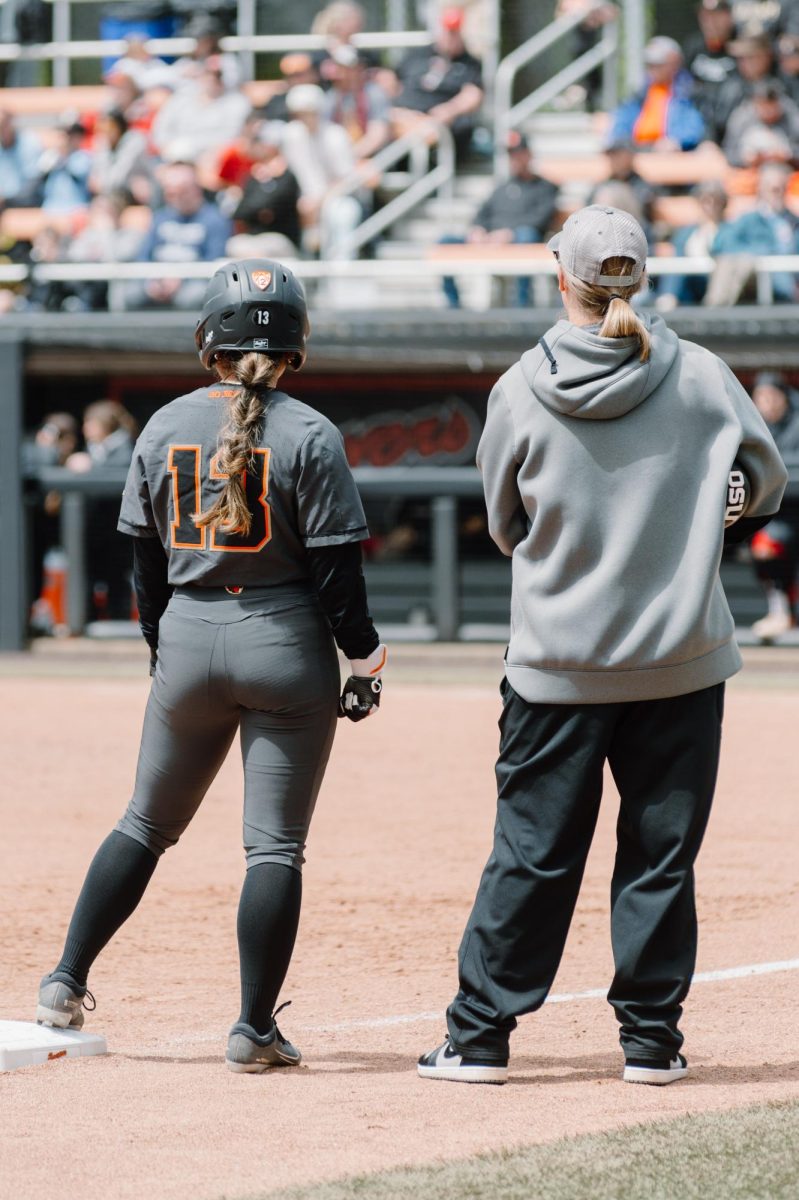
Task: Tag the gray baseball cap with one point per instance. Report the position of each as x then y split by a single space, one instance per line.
594 234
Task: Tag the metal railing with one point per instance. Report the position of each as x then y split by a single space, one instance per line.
442 485
508 115
422 181
62 51
764 267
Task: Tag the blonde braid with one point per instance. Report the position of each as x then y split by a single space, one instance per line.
240 437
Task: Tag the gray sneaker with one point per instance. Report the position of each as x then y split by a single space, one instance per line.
249 1052
61 1004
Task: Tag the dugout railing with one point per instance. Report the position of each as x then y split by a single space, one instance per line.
438 594
518 262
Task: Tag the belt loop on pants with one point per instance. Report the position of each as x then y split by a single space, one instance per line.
234 591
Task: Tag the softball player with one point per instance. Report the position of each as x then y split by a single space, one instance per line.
608 455
246 525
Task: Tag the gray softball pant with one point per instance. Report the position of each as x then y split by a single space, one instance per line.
263 664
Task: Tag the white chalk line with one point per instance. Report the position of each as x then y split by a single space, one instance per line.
197 1039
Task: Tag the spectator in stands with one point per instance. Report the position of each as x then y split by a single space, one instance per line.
52 444
775 548
13 251
769 229
139 109
102 240
517 211
201 117
614 194
754 58
704 238
661 116
764 128
295 69
48 295
360 106
20 152
143 68
320 156
208 32
235 161
121 160
63 170
109 432
266 218
187 229
760 18
620 154
788 64
708 58
30 23
339 23
442 81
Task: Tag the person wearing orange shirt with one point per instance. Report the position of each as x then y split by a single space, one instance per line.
662 115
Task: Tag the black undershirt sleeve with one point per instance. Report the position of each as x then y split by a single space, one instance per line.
337 575
153 589
745 528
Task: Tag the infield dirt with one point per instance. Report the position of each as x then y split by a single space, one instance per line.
401 832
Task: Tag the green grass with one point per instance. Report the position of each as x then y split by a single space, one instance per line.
747 1154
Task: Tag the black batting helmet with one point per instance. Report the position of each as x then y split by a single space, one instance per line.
256 304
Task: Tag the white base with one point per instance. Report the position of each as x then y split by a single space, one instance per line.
26 1044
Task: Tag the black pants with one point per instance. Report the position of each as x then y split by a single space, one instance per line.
664 758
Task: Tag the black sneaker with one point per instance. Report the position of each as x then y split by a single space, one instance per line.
446 1063
653 1070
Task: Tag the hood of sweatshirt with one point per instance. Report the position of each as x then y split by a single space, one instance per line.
576 372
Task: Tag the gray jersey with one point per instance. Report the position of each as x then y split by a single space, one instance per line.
301 494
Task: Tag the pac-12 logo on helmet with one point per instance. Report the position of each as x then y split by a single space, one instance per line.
262 279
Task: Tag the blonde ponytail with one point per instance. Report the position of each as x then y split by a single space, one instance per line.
619 318
240 436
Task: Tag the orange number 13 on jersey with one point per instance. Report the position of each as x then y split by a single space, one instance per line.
185 466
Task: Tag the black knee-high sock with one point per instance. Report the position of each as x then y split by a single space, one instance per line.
269 913
114 885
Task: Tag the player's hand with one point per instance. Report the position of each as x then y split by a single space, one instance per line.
360 697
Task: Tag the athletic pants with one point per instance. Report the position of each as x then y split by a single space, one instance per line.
262 664
663 755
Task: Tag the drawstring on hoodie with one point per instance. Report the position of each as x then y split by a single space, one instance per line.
553 366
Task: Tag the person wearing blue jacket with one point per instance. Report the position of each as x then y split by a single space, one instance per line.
662 114
187 229
707 237
770 228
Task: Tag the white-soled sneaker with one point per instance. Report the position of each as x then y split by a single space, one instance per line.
250 1053
446 1063
61 1003
656 1071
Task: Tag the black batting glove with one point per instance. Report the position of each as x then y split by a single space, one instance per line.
360 697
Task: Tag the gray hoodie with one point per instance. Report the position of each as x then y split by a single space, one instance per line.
606 480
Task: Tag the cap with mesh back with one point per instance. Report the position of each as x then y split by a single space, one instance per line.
594 234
